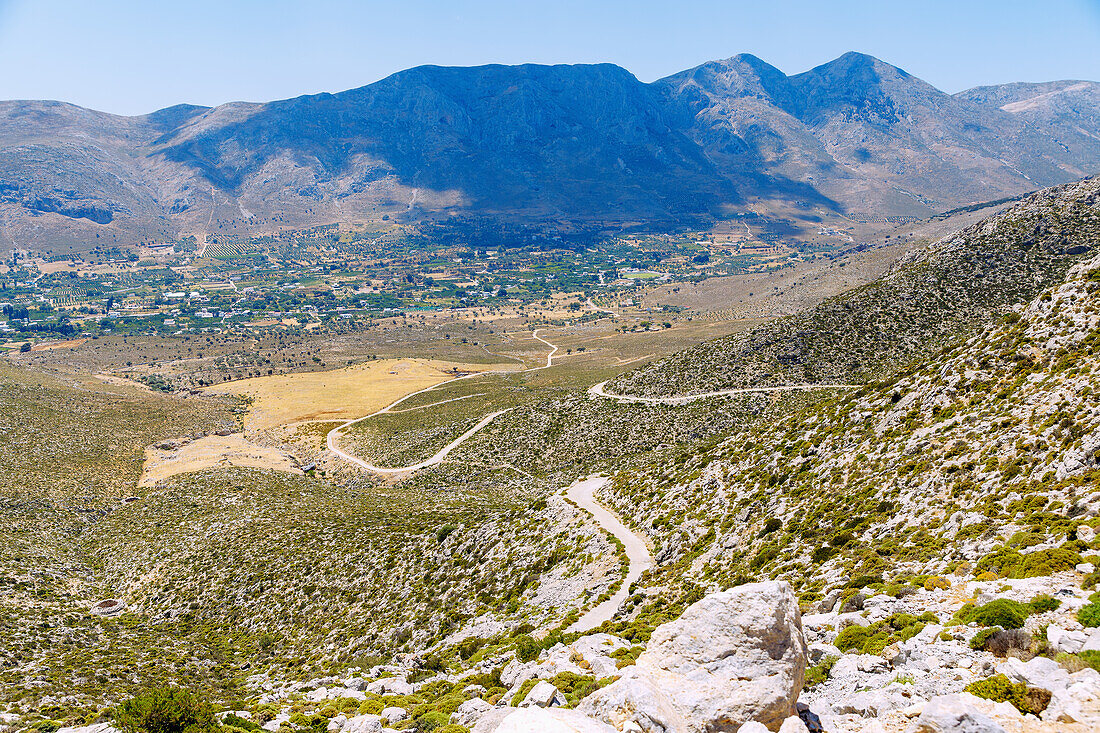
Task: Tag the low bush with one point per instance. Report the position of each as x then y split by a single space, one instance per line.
1007 614
1043 603
1089 615
165 710
818 673
935 581
237 721
1009 563
527 649
431 721
999 688
879 635
1000 642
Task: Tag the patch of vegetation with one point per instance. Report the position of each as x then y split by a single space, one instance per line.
998 688
166 710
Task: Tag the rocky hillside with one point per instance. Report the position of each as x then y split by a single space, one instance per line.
984 457
958 283
548 143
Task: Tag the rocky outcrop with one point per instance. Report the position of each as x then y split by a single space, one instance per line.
732 657
543 720
957 713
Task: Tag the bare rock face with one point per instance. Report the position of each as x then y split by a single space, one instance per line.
733 657
542 720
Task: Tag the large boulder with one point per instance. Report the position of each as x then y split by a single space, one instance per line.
955 714
1078 701
733 657
543 695
469 713
390 686
538 720
363 724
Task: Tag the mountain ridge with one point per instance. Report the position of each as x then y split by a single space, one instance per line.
542 143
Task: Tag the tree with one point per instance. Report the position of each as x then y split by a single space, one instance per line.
166 710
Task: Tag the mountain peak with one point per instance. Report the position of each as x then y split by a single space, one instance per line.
743 75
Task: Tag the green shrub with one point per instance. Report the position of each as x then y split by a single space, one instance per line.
576 687
46 726
1011 564
852 637
431 721
881 634
1003 612
981 638
1089 615
527 648
935 581
371 707
165 710
1080 660
1043 603
818 673
999 688
626 656
238 722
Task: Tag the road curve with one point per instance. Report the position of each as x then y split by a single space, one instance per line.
330 438
637 552
597 390
437 458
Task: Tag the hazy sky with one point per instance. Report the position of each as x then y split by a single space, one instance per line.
135 57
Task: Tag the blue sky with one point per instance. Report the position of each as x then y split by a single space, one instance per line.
134 57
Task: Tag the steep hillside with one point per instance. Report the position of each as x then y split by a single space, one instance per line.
958 283
1068 112
985 454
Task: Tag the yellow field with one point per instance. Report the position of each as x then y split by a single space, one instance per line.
341 394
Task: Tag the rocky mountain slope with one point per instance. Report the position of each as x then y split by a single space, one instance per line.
575 143
956 284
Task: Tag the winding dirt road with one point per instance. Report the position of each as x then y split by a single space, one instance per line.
597 390
331 437
583 492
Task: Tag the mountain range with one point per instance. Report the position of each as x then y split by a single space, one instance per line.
854 137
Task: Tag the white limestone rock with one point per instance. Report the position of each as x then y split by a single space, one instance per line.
1077 702
793 724
1040 672
954 714
468 713
1092 644
390 686
539 720
363 724
543 695
393 714
753 727
732 657
1064 640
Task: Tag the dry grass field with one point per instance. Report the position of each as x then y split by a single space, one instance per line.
212 451
340 394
